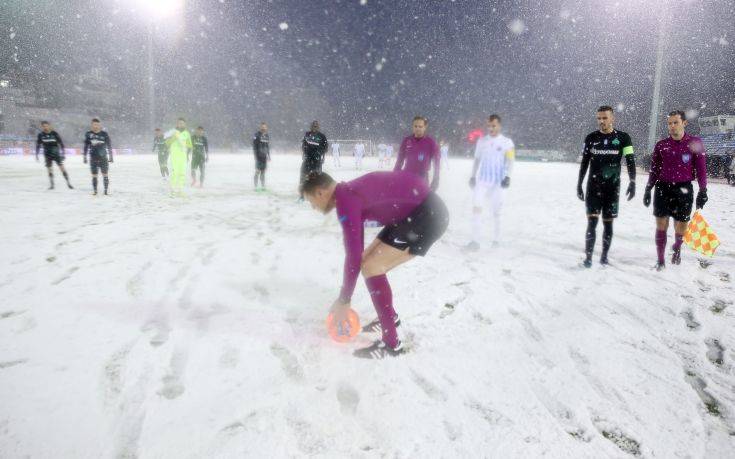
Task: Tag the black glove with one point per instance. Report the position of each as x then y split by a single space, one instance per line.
85 160
580 192
647 197
472 182
505 183
631 191
701 198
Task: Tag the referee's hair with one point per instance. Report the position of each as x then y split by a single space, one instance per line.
605 108
495 117
681 114
421 118
316 180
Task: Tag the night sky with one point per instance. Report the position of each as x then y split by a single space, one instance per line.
365 68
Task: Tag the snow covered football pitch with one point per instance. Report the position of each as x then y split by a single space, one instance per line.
142 325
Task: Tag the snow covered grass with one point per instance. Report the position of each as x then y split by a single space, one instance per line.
142 325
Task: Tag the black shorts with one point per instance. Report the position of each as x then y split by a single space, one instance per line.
197 161
423 226
603 197
261 164
673 200
98 163
53 158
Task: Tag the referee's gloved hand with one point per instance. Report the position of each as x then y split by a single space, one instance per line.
505 183
702 198
473 182
580 192
631 191
647 196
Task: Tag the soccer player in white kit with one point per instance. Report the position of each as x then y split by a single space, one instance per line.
444 149
359 153
335 154
494 156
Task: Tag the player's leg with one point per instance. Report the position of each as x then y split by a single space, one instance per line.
65 174
479 202
681 211
94 169
497 195
194 166
593 205
610 202
662 210
383 258
104 167
49 161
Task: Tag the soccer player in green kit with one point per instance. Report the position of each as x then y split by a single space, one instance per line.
179 147
159 146
603 152
199 157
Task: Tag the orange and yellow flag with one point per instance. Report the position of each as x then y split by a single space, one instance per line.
700 237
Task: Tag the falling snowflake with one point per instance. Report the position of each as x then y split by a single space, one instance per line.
517 26
283 26
692 113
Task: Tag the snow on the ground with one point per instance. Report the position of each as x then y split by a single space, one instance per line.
143 325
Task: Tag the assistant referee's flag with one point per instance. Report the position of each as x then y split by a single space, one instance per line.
700 237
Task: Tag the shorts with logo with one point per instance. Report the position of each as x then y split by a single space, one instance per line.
53 157
603 196
673 200
98 163
421 229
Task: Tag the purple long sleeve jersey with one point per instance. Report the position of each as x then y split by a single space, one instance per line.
385 197
417 154
679 161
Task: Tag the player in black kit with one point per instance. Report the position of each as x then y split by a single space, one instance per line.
160 147
53 152
603 152
261 151
97 145
313 146
200 156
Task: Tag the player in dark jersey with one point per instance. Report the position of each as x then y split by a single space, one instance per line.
97 145
159 147
313 146
53 152
603 152
200 155
262 153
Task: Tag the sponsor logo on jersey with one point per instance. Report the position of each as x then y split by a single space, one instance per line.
597 151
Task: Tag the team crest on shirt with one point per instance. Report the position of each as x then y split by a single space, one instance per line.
616 142
421 156
686 157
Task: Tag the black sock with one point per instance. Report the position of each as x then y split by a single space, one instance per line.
607 234
66 176
590 237
106 181
51 178
94 183
255 180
